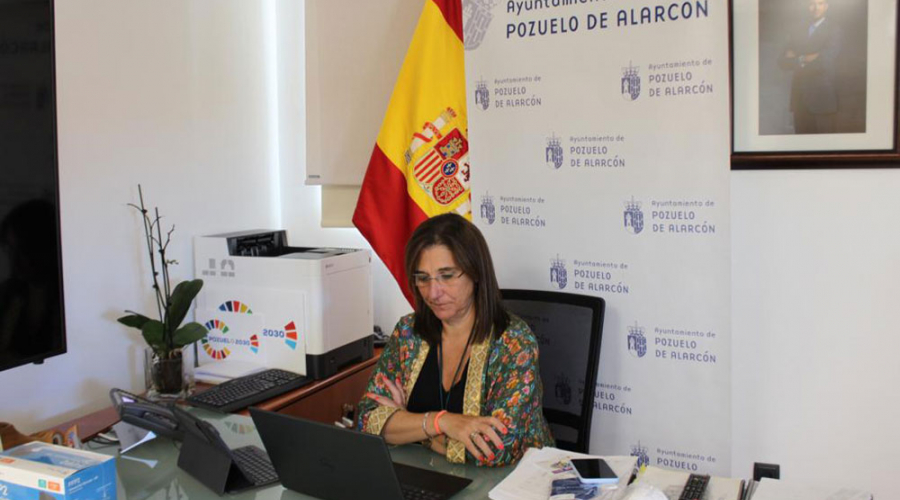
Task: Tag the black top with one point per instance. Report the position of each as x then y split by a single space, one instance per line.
426 394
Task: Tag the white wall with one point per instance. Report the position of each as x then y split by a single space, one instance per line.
301 204
816 278
169 94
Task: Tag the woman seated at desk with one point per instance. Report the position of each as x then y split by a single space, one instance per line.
460 373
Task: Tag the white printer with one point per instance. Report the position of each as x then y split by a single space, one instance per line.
264 303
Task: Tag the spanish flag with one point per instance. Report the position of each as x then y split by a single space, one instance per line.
420 165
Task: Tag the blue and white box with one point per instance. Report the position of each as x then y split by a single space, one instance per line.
41 471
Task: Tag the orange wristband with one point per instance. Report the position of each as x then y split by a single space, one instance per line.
437 428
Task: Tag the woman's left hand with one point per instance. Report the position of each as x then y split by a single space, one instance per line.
397 399
480 435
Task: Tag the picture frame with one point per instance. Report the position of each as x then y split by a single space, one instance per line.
814 84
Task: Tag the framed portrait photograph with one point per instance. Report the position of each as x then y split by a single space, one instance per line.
814 83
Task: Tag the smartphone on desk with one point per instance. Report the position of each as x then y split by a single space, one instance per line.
594 471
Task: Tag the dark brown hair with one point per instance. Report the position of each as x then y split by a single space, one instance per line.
471 253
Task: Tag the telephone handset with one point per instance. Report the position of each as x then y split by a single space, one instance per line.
146 414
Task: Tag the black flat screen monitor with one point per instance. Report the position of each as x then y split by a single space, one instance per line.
31 307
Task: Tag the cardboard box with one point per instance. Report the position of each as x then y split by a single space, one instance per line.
41 471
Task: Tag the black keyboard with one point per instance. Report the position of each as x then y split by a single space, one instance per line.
255 465
411 492
242 392
693 489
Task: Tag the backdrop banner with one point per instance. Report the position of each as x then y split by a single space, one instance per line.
599 142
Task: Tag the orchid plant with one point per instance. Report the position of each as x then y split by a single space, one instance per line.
166 336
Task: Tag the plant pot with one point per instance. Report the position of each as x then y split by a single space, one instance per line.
169 377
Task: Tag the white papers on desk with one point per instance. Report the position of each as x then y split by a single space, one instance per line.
539 467
773 489
131 436
672 482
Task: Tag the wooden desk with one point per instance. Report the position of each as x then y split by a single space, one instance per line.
320 400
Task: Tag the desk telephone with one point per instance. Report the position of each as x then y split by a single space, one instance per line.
204 454
146 414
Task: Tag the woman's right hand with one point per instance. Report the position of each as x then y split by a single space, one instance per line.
397 399
478 434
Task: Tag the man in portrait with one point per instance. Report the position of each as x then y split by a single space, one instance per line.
811 55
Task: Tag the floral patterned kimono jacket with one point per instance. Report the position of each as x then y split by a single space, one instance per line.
502 380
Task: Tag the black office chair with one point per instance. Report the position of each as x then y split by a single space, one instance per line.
569 328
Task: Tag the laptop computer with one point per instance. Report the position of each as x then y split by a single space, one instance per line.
329 462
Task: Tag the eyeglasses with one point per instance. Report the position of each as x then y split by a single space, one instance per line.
445 278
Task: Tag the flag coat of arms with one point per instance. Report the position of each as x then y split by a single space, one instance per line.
420 164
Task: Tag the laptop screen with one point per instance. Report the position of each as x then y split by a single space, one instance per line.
330 462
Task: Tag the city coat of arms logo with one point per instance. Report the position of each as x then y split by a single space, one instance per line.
634 218
643 459
553 154
563 389
558 275
482 95
637 342
476 19
488 212
440 161
631 83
